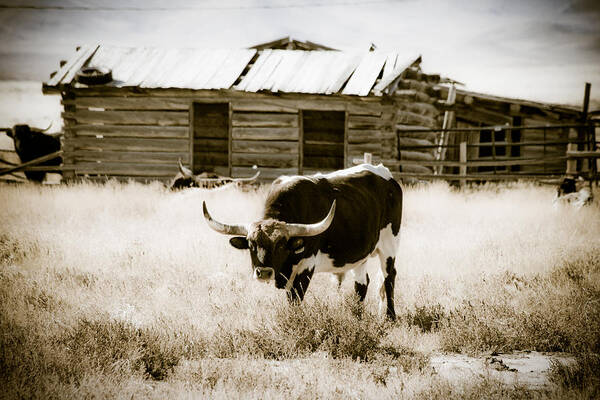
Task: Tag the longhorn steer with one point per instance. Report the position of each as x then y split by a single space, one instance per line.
324 223
32 143
574 192
185 178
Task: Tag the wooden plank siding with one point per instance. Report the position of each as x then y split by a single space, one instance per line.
546 150
141 157
126 144
125 137
211 131
522 144
160 118
323 141
266 139
143 133
360 128
131 131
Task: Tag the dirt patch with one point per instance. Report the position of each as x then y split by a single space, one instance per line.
529 369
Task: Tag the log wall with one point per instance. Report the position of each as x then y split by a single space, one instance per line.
268 140
416 103
479 110
140 134
210 131
515 144
139 137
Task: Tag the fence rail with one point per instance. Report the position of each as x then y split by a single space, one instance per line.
33 165
499 152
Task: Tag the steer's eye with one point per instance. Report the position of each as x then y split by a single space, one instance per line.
297 245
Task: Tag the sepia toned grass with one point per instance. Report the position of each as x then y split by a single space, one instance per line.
121 290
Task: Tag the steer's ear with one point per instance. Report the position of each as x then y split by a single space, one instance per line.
239 242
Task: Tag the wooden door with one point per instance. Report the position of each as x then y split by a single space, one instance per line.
322 140
211 138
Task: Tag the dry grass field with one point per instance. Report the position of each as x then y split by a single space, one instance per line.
122 291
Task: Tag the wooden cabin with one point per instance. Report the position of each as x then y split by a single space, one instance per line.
286 111
286 107
522 130
491 130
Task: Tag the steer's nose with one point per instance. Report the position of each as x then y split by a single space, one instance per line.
263 273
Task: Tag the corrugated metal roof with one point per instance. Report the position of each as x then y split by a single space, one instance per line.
289 71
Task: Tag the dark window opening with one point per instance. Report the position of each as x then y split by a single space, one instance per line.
492 146
484 138
323 139
211 137
515 137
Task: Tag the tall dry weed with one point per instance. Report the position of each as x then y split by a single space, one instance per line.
107 288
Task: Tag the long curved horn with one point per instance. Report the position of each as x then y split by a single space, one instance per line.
312 229
49 126
249 179
228 180
186 172
239 230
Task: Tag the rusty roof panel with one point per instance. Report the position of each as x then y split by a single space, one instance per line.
264 71
161 75
285 71
204 71
68 71
254 70
290 71
231 68
400 65
363 78
152 57
295 71
346 68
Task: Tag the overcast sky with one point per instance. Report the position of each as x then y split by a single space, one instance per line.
534 49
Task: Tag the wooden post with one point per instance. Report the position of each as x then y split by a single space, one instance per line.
191 136
463 161
229 139
447 124
571 162
582 135
586 101
590 136
368 158
347 161
69 134
300 143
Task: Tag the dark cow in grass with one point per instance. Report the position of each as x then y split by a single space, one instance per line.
32 143
325 223
185 178
573 191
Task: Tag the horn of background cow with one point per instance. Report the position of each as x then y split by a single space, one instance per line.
249 179
312 229
49 126
239 230
187 173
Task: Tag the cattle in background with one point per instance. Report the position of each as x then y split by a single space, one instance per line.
573 191
185 178
31 143
567 185
325 223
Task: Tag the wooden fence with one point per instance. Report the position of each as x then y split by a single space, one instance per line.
542 152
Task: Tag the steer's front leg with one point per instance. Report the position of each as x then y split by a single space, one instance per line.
299 285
